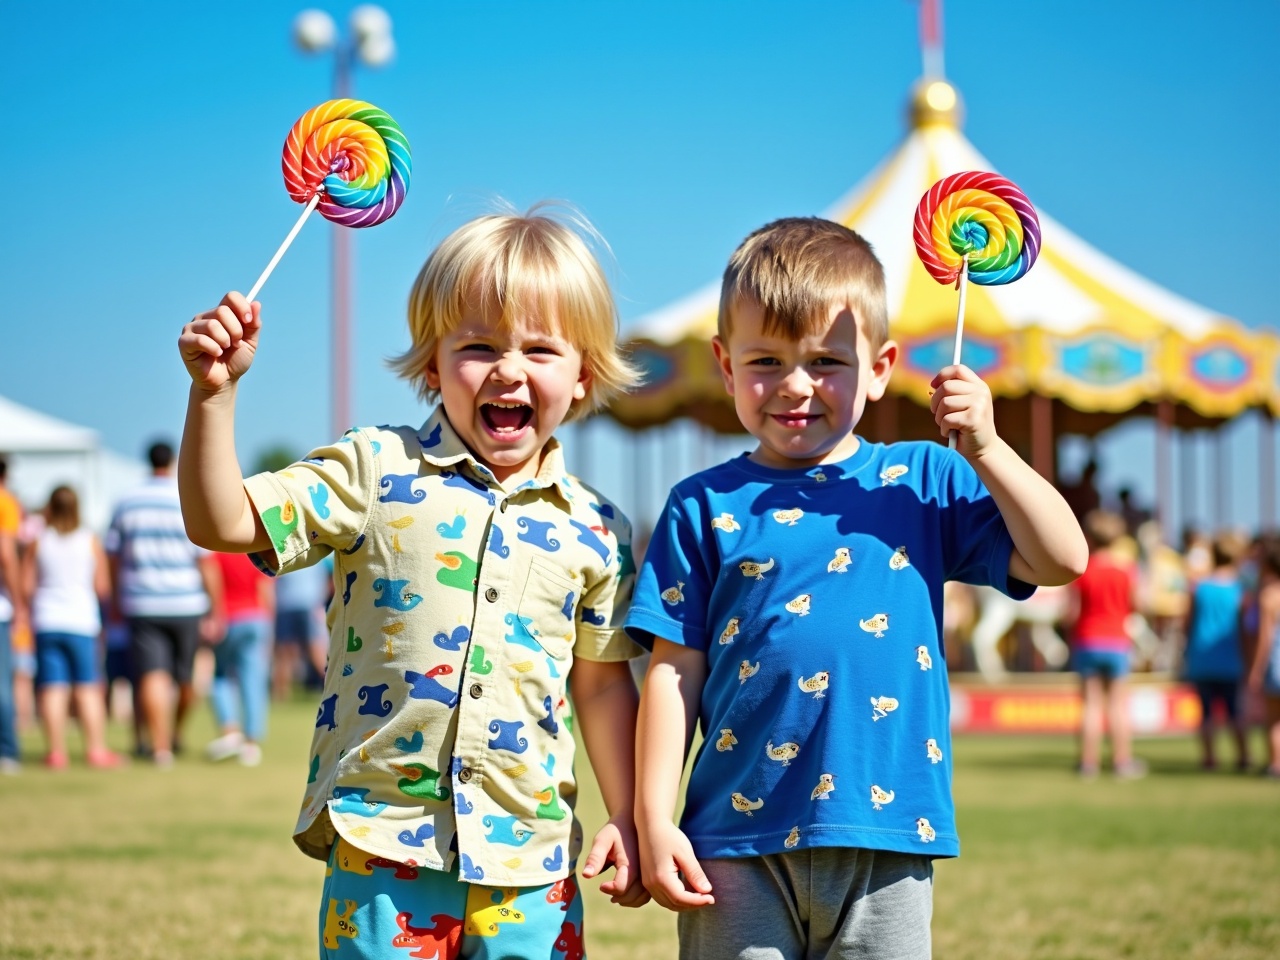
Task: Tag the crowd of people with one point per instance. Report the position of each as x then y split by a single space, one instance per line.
146 614
1204 612
143 609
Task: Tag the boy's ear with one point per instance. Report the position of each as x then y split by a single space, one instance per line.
431 372
721 350
882 369
584 381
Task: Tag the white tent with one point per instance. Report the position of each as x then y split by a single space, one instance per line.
44 452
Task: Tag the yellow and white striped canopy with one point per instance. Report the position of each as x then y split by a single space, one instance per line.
1079 327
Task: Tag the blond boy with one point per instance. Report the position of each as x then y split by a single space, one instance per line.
473 578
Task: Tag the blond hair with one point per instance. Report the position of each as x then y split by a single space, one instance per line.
534 267
796 269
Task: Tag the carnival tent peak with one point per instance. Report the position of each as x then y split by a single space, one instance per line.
1080 328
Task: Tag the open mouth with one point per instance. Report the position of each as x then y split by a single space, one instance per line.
506 417
795 420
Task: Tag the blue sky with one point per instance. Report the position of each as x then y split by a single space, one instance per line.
144 164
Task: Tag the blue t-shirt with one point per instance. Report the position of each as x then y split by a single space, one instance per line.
817 596
1213 636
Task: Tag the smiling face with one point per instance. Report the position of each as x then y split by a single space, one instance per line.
801 398
506 388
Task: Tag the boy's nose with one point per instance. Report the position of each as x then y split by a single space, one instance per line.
509 368
796 384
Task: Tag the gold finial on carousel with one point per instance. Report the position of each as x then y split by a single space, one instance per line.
935 102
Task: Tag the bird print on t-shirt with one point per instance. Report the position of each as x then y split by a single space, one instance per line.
726 523
840 561
876 625
815 684
826 784
751 568
674 595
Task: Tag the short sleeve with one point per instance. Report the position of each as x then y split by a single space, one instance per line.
605 603
317 505
673 590
111 539
976 542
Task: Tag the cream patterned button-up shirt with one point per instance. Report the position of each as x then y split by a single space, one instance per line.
445 730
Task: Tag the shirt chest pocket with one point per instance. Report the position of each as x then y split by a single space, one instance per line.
547 605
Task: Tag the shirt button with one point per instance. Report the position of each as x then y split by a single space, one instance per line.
464 775
491 594
476 691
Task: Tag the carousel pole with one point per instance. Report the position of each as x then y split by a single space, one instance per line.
1267 471
1186 476
1221 479
1164 466
1042 439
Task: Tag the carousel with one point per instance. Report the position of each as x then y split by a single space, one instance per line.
1074 347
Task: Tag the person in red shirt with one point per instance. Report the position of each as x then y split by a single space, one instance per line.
1103 600
245 606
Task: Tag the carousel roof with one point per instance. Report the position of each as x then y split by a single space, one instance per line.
1079 327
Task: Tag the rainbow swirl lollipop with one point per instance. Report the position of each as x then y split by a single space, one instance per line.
979 217
354 156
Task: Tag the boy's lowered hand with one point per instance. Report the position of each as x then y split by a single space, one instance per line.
670 869
961 401
615 845
218 345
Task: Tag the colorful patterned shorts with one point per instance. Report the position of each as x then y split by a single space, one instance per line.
377 908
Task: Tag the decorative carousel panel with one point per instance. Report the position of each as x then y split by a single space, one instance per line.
994 358
1096 370
658 366
1218 375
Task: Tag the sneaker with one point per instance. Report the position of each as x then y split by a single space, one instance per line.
1133 770
104 759
55 761
1087 771
250 755
163 759
225 747
9 767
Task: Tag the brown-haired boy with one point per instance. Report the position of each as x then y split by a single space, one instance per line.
792 598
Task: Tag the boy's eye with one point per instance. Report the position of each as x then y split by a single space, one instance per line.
827 362
541 349
476 347
763 362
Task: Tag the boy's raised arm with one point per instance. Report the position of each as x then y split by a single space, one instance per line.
1049 546
217 348
669 707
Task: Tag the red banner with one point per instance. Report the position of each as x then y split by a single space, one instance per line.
1154 708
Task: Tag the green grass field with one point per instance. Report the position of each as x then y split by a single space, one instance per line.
197 862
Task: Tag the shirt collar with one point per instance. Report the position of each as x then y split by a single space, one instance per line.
442 447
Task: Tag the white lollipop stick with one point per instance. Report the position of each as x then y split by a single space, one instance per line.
963 285
258 284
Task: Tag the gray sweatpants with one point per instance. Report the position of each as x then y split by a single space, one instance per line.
827 903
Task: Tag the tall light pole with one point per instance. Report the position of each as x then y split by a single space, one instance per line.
369 41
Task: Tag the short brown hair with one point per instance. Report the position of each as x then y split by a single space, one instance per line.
796 269
63 511
535 265
1102 528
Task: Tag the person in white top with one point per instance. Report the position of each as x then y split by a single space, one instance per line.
65 573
